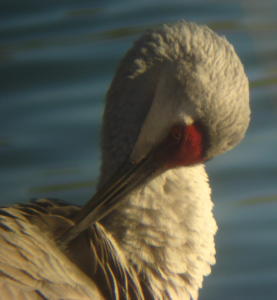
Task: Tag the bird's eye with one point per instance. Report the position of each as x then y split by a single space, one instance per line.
177 132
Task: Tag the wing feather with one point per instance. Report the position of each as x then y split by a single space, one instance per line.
32 265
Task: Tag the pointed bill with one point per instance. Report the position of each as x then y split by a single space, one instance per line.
129 177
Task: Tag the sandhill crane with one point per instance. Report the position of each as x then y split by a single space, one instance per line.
179 98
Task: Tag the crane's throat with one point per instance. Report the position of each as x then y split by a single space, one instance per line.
166 229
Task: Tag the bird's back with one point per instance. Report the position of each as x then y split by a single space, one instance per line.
32 265
35 265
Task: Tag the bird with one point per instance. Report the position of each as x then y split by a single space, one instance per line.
179 97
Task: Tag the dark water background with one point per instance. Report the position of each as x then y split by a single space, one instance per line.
57 59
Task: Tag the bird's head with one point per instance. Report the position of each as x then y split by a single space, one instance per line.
180 85
180 97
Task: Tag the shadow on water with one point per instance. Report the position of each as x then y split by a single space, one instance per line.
62 187
259 200
265 82
9 50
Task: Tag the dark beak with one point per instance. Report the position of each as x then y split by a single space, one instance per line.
128 178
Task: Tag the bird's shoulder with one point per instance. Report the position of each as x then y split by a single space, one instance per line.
32 264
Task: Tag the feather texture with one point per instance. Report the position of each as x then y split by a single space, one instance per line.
158 244
34 265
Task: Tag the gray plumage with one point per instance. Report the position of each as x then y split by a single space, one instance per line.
154 240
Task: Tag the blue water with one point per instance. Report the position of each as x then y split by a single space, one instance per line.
57 59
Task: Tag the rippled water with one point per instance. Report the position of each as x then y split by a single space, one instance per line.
57 59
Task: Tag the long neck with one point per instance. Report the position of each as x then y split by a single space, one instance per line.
166 230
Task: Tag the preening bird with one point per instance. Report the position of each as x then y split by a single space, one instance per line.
179 98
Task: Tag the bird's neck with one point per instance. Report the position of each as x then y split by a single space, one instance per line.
166 230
